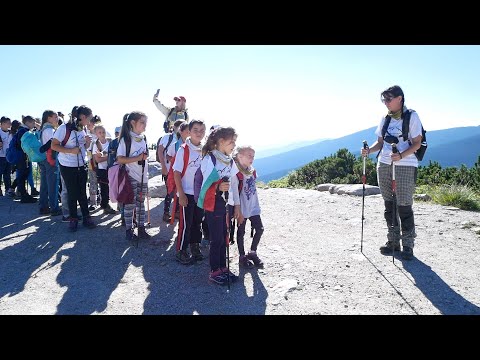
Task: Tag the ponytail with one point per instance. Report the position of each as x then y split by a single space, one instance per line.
217 134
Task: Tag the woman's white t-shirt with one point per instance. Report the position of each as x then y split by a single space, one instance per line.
77 138
137 148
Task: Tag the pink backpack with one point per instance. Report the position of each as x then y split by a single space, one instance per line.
120 188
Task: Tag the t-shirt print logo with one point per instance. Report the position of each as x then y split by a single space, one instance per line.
195 163
250 188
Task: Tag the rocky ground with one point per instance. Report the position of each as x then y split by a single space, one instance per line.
311 249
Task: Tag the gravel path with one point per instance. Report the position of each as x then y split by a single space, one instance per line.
311 249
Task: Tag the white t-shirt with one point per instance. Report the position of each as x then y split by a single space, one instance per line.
138 147
6 137
194 160
164 143
77 138
395 129
47 134
103 164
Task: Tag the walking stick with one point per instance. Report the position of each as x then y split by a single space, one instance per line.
141 196
394 195
148 209
225 197
364 179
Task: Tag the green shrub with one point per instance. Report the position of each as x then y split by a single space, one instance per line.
454 195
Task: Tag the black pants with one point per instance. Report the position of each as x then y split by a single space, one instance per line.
102 180
23 170
76 183
189 224
168 199
257 225
217 226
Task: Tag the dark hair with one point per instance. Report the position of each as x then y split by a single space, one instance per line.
27 118
96 119
127 126
217 134
183 126
75 115
194 122
14 127
177 123
394 91
46 115
4 119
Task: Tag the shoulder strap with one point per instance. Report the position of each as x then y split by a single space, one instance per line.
186 157
99 145
128 145
170 139
406 124
68 131
171 112
240 182
385 125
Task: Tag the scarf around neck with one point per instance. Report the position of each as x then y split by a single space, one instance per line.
197 148
223 158
398 114
248 171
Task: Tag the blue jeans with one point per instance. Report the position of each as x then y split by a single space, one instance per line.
48 186
5 169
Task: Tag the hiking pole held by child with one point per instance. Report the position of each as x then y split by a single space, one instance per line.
394 196
225 197
364 179
141 196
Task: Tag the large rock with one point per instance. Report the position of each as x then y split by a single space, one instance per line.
354 189
154 169
324 187
156 187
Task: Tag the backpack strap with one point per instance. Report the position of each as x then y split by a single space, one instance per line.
385 125
240 182
99 145
406 124
170 139
128 145
68 131
186 157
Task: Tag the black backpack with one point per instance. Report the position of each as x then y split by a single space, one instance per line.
166 123
420 153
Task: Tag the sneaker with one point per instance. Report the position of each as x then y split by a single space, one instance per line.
243 262
11 192
388 248
45 211
88 222
196 253
130 236
252 255
233 277
91 207
218 277
56 212
407 253
166 217
142 234
183 257
109 211
66 219
72 226
27 199
34 192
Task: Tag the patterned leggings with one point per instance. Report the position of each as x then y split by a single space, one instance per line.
139 205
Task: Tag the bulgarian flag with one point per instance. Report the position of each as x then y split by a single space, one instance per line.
206 197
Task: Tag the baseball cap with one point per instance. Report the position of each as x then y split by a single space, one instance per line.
177 98
118 128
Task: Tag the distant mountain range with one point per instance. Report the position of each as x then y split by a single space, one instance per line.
449 147
259 154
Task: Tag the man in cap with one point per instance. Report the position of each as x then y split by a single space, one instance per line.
178 112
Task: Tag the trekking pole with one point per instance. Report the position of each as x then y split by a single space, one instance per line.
225 197
364 179
148 208
141 196
394 195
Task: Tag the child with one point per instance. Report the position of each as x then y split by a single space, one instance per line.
190 214
5 167
100 154
212 197
133 126
245 198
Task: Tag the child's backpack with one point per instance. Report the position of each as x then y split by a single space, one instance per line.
112 153
420 153
120 190
14 154
171 187
31 144
170 139
166 123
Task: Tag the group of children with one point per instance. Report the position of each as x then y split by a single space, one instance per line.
212 182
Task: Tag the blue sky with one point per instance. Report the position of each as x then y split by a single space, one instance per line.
272 95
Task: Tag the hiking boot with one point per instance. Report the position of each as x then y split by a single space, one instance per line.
243 262
72 225
109 211
218 277
388 248
196 253
233 277
56 212
166 217
142 234
252 255
130 236
407 253
11 193
66 219
44 211
183 257
34 192
27 199
88 222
